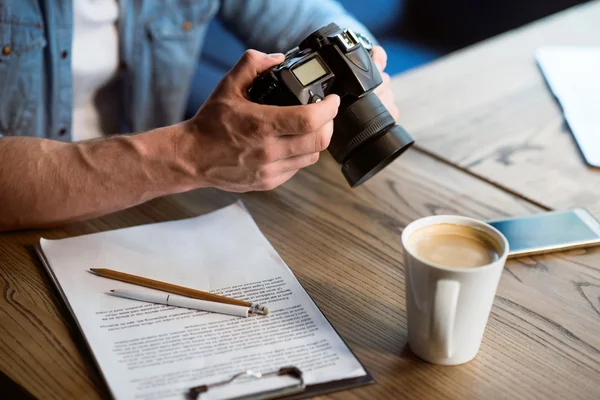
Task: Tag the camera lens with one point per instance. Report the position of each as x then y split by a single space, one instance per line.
366 138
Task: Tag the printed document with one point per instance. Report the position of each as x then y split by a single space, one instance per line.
149 351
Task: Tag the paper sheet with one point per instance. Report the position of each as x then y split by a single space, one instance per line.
573 74
150 351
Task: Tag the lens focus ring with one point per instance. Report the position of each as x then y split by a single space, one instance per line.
364 119
381 122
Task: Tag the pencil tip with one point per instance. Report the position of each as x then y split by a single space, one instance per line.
112 291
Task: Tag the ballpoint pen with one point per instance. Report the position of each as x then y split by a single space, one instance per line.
255 308
180 301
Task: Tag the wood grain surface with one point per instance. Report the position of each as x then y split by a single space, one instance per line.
492 143
488 109
541 342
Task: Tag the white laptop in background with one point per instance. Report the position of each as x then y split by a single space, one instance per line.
573 75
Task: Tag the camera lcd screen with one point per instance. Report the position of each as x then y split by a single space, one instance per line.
309 72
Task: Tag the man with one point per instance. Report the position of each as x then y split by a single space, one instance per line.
79 69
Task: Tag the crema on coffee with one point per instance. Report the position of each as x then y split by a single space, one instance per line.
456 246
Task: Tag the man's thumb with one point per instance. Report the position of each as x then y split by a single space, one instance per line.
252 64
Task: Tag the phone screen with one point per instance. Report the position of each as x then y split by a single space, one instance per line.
544 231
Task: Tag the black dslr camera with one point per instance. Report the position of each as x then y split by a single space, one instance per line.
331 60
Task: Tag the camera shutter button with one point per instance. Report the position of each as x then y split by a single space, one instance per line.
315 98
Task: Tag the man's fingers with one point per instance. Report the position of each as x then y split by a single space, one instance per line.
272 172
387 99
385 85
379 57
299 120
386 79
386 96
252 64
295 145
297 162
274 181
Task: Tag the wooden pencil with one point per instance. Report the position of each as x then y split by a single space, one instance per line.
166 287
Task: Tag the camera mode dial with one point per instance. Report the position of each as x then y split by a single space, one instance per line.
319 37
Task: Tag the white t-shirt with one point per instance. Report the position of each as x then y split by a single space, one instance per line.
95 62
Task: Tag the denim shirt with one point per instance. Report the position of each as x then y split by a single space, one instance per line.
160 44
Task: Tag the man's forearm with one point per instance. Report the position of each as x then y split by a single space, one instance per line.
45 183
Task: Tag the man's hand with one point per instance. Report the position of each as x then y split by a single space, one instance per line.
384 91
240 146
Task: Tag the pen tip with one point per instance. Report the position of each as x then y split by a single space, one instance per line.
112 291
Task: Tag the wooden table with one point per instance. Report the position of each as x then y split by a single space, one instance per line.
487 110
491 144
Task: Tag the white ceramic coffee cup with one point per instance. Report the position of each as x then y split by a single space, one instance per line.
448 308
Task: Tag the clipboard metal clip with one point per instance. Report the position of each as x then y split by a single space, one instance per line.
293 372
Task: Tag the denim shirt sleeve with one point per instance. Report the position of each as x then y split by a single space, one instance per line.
277 26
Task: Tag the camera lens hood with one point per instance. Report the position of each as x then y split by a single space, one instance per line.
376 154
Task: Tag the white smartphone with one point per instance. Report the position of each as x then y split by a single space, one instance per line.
548 232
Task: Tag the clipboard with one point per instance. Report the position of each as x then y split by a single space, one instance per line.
300 392
295 390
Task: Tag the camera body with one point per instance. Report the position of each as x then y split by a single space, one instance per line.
331 60
307 74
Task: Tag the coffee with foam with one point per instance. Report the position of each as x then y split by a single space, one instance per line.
455 246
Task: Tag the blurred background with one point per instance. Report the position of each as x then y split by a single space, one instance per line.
413 32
